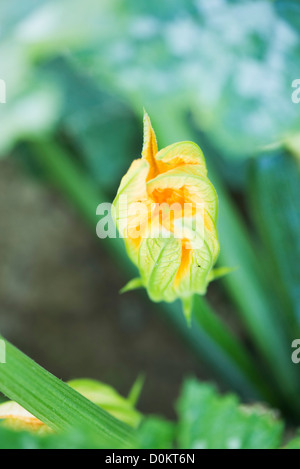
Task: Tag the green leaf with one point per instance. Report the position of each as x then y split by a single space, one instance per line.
54 402
75 438
100 137
275 196
156 433
171 68
293 444
249 290
210 421
108 399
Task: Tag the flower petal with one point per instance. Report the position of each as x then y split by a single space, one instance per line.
179 154
150 147
159 260
198 189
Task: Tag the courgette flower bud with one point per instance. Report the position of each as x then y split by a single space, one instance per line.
166 210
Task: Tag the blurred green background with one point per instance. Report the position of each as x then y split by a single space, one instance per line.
217 72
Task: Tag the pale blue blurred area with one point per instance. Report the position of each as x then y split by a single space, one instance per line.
230 65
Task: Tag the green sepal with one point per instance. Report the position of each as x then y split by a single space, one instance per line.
133 284
220 272
136 390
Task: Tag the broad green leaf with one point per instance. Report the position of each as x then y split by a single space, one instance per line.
156 433
210 421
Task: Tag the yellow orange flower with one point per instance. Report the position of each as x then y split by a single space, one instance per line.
166 210
17 418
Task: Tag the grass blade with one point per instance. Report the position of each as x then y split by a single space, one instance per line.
54 402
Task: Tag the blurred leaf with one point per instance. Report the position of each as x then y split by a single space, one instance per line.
249 289
293 444
156 433
136 390
289 10
34 113
275 196
232 357
155 55
76 438
108 399
99 125
161 55
292 144
210 421
206 420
